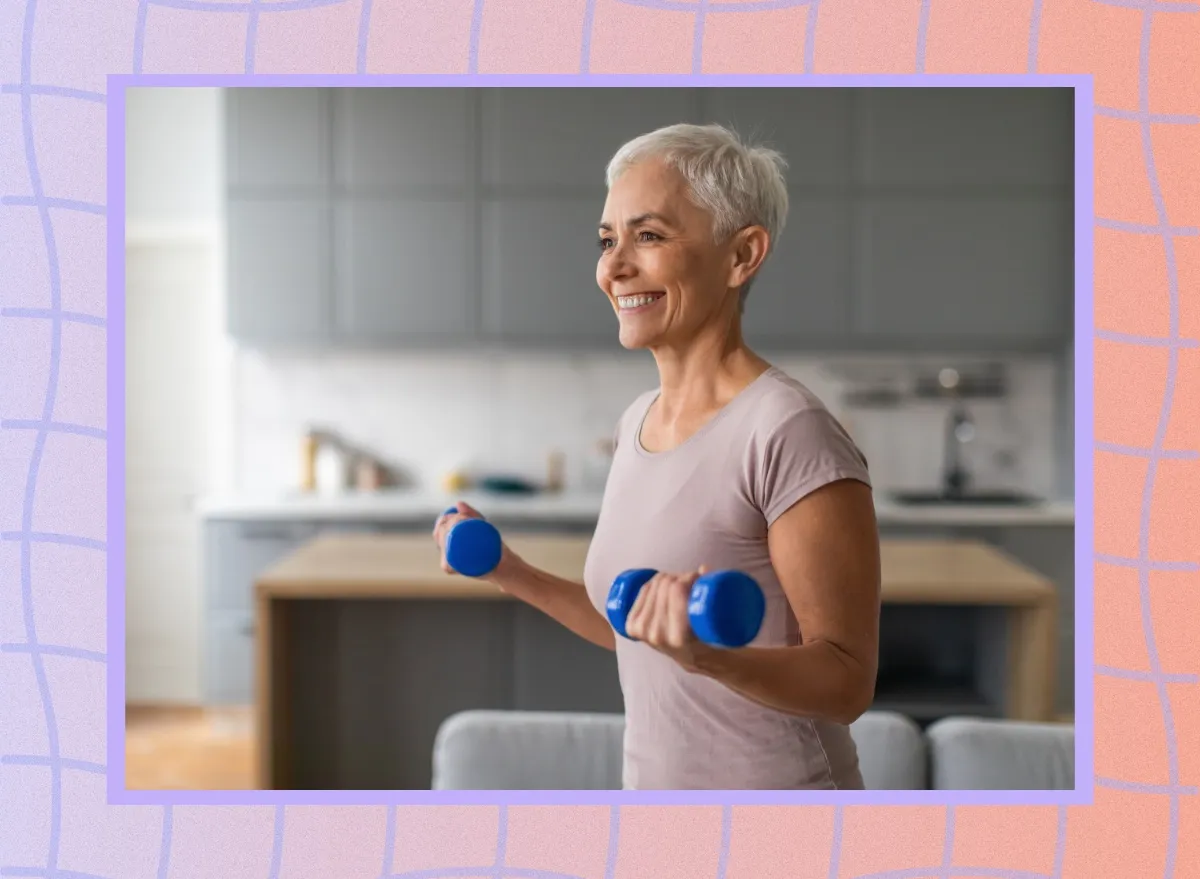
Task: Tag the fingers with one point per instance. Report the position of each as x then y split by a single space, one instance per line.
659 616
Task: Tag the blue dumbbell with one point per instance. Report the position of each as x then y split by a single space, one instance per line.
473 546
725 608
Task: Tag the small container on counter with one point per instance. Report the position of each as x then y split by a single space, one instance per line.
367 474
331 469
597 465
555 465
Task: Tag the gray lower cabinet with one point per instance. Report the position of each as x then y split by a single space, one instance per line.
235 553
278 252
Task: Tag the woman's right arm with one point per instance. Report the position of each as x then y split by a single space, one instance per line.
564 601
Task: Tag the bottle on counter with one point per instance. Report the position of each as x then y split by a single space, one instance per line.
308 462
555 466
331 469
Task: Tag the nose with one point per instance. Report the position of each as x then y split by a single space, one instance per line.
614 265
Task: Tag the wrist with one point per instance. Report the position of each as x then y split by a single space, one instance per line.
508 571
713 662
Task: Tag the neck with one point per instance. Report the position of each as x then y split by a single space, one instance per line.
706 371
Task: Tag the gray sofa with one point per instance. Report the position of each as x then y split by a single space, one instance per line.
538 750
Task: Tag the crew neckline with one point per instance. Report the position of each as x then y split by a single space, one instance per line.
704 428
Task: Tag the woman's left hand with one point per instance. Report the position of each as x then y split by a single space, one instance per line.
659 617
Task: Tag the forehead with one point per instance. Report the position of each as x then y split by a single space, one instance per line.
647 187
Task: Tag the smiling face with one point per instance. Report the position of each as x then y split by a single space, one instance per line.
659 265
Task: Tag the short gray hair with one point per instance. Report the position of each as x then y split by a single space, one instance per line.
738 184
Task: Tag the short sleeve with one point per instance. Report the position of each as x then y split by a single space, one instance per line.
808 450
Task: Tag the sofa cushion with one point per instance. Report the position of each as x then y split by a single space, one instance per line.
528 750
546 750
980 754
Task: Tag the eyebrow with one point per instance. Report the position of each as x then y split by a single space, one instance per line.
639 220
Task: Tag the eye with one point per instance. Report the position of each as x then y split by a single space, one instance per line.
603 243
646 235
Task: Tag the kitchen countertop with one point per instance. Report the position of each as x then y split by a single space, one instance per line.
575 507
402 566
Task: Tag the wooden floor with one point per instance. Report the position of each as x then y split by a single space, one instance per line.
172 748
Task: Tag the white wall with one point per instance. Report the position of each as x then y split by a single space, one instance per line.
178 365
429 413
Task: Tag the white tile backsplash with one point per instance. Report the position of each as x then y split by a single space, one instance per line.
426 413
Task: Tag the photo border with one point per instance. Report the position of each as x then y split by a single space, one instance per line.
1084 327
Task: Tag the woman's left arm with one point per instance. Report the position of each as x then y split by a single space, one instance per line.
825 551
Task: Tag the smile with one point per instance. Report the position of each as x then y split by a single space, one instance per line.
638 300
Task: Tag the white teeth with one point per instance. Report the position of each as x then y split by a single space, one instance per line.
634 301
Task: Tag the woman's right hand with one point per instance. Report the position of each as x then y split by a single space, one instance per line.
441 531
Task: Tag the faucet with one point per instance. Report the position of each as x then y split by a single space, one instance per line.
960 429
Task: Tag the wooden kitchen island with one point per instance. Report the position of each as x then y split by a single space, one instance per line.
364 646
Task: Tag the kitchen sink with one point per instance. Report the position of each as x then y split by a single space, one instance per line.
970 498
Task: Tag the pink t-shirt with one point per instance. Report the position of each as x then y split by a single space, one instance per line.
710 501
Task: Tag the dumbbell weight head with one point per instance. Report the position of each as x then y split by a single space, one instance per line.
623 594
725 608
473 546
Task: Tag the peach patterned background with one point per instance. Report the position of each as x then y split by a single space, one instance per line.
1144 56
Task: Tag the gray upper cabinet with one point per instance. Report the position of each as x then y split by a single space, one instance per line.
539 273
920 218
977 137
560 138
811 127
279 292
800 297
277 137
961 272
406 138
405 269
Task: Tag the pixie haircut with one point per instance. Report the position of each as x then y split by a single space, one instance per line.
737 184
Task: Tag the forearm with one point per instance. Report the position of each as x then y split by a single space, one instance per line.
817 679
565 601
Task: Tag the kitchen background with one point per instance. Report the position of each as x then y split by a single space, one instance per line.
410 273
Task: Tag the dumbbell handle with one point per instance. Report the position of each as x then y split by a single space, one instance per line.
473 546
725 608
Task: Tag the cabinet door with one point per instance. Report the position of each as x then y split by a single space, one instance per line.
558 137
404 137
801 298
277 137
278 271
229 659
405 270
811 127
237 552
960 273
968 136
539 271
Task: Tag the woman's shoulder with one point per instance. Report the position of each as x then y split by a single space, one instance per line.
781 399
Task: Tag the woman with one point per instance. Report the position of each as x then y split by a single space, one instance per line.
729 463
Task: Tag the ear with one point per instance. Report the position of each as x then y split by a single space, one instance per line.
749 249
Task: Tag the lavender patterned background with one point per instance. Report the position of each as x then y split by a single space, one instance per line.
54 436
